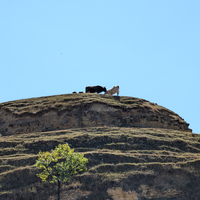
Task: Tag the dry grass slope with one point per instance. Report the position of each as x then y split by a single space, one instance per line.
115 155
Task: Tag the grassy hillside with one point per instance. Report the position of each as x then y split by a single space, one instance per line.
120 157
67 101
147 163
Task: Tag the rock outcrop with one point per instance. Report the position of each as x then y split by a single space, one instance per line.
18 117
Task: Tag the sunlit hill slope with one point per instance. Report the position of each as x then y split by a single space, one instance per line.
137 150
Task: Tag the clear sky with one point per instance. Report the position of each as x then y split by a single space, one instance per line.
150 48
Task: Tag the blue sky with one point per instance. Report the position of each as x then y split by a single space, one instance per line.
150 48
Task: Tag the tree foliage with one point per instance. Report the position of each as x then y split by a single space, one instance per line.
60 164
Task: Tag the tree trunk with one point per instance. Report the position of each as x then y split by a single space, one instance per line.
58 190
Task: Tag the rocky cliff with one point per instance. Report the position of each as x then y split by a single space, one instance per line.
84 110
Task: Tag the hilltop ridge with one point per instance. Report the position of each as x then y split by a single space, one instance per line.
85 110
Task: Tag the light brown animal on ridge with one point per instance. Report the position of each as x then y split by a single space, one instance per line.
113 90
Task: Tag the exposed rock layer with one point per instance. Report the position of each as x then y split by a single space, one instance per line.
89 114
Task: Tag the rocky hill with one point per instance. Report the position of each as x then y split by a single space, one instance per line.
136 149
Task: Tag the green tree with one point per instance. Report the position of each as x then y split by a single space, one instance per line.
59 165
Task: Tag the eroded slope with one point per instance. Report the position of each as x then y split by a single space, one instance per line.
84 110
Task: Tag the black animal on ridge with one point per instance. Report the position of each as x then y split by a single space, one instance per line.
92 89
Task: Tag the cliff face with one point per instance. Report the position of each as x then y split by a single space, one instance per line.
99 111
